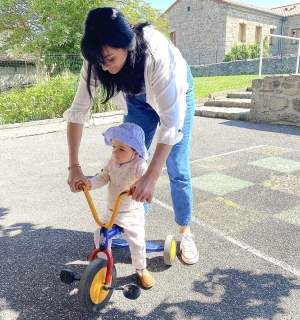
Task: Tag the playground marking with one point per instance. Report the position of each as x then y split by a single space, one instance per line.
228 238
238 243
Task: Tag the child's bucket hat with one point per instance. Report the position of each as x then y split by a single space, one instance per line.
129 133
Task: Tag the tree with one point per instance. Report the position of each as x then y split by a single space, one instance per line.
39 26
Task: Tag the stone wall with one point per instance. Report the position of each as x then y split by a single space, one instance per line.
200 28
289 46
276 100
274 65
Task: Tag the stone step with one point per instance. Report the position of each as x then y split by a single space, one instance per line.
224 94
229 103
223 112
240 95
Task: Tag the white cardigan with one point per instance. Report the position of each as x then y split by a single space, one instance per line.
165 84
120 178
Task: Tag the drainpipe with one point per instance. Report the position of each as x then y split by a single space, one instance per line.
282 34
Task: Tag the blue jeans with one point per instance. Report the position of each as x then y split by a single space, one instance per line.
178 161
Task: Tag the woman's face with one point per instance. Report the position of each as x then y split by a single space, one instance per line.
114 59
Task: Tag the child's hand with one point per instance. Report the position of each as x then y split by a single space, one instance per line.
87 183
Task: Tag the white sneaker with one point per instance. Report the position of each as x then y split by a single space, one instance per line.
189 252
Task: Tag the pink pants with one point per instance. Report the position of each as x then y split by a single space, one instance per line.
133 223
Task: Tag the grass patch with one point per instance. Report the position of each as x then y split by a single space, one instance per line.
204 86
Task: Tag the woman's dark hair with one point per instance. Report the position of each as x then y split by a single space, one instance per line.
108 27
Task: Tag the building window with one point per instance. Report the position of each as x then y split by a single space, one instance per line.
173 37
296 34
271 39
242 32
188 9
258 33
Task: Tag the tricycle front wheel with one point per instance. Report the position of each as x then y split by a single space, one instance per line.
91 293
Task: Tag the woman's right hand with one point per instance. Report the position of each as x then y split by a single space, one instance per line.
76 176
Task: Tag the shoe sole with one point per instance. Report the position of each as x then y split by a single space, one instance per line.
189 261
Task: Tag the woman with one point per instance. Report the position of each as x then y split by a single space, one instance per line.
147 77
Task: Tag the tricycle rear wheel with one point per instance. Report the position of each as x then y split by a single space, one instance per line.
170 249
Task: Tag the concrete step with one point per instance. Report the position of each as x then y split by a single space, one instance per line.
224 94
229 103
240 95
223 112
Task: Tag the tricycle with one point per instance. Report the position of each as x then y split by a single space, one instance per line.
98 280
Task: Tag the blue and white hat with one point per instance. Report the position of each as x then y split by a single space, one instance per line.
129 133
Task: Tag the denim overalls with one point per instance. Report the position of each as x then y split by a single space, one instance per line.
178 161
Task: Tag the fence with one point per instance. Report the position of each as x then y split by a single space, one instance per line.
272 65
28 71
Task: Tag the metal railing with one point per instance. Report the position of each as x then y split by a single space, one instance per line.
278 36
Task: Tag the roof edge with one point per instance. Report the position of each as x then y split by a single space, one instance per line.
228 2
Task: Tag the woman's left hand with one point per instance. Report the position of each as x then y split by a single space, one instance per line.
143 189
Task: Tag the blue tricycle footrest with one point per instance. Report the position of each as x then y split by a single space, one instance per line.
150 247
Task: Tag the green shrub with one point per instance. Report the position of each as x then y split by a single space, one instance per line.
45 101
247 51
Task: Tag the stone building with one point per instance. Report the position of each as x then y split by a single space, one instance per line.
206 30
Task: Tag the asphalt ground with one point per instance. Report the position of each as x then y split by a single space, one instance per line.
246 222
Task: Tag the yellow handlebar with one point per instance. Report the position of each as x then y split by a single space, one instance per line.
93 209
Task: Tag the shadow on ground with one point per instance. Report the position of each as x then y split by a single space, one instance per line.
292 130
30 288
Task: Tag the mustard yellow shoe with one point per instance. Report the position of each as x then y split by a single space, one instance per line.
146 278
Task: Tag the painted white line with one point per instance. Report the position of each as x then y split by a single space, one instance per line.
236 151
238 243
231 152
240 150
246 247
164 205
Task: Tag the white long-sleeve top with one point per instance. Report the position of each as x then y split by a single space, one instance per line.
165 83
120 178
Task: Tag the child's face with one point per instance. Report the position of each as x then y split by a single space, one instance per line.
122 152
